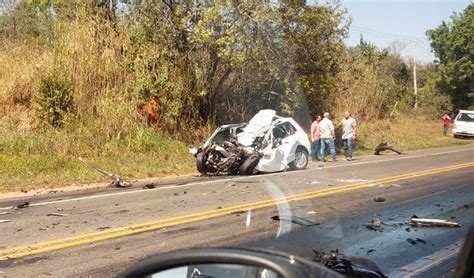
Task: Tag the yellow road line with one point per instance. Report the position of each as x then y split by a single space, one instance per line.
52 245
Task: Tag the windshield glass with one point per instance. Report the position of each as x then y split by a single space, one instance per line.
325 130
465 117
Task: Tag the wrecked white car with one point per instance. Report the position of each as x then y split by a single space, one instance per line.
268 143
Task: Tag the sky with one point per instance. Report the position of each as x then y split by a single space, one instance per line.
383 22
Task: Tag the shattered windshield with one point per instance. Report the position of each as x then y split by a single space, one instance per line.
465 117
320 131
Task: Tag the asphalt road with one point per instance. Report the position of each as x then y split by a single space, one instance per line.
100 232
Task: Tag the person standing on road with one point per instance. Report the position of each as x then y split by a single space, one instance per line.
315 140
327 135
446 121
349 127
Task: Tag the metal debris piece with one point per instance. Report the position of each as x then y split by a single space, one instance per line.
375 224
295 219
370 251
383 147
56 214
416 240
4 220
420 240
22 205
379 199
312 212
429 222
238 213
149 186
5 213
102 228
117 179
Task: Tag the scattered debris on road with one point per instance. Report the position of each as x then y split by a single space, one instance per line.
238 213
4 220
428 222
374 225
5 213
117 179
219 207
420 240
415 241
295 220
52 191
22 205
383 146
312 212
102 228
56 214
379 199
149 186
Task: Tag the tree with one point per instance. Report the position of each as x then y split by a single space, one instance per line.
453 45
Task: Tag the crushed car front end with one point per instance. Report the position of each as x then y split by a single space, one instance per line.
268 143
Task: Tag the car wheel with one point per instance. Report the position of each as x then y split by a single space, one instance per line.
249 166
201 162
301 159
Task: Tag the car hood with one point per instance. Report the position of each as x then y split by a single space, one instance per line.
462 124
257 126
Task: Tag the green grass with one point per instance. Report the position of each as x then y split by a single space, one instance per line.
31 161
47 160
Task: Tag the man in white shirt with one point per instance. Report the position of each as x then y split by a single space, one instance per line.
349 127
327 135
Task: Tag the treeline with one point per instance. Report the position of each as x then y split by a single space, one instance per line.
93 66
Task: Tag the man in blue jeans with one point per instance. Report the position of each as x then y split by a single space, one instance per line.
327 135
349 127
315 140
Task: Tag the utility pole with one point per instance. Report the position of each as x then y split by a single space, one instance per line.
414 75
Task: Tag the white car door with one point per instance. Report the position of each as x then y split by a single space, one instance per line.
277 155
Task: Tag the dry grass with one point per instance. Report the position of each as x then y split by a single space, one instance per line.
405 134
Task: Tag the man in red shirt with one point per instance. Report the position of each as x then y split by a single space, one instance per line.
446 121
315 140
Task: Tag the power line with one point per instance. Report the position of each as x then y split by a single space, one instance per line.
381 34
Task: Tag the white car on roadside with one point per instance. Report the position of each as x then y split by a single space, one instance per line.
268 143
464 124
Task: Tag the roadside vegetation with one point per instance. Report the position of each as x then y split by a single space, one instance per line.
129 87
